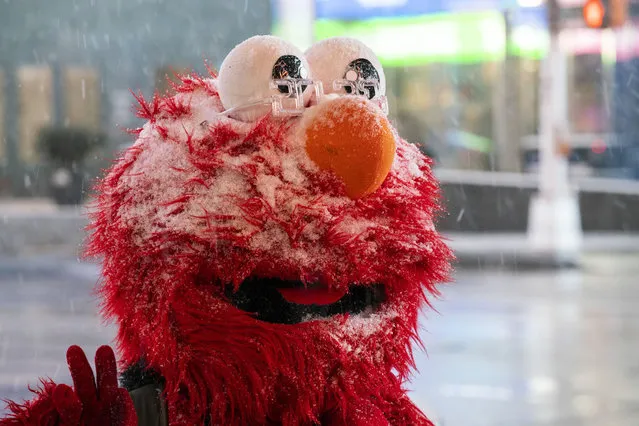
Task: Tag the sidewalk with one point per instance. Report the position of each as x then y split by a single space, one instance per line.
36 226
20 207
474 250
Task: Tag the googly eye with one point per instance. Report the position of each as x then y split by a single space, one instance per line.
247 74
349 62
289 66
362 71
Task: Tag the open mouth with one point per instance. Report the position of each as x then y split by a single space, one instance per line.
290 302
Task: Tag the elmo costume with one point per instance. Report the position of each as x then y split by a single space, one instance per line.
267 244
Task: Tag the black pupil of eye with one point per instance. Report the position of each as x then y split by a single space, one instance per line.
288 66
365 71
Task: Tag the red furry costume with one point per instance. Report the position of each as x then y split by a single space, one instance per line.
262 283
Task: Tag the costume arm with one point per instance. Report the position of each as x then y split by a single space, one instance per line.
39 411
93 400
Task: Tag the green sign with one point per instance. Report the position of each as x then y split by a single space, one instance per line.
462 37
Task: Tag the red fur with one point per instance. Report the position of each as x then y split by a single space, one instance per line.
170 238
165 290
40 411
176 108
147 110
193 82
135 132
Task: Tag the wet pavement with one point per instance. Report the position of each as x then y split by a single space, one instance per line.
537 348
505 347
46 304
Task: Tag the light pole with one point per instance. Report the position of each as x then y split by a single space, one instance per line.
506 104
554 221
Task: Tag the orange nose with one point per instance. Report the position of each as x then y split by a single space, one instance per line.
353 139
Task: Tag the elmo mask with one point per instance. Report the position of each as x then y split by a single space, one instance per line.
267 245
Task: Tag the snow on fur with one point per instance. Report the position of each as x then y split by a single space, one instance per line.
255 189
199 202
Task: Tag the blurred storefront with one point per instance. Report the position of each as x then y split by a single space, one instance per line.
440 70
447 60
73 64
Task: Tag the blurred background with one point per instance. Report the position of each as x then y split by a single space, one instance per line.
530 333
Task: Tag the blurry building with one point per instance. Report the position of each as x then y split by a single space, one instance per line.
469 71
74 63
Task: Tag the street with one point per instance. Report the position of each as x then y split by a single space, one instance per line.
535 348
46 305
504 347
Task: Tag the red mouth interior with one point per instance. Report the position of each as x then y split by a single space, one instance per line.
312 296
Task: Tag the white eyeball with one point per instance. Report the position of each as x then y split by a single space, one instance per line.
344 58
248 70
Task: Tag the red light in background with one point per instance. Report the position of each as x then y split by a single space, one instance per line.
594 12
598 146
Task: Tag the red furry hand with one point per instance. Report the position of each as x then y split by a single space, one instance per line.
93 402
